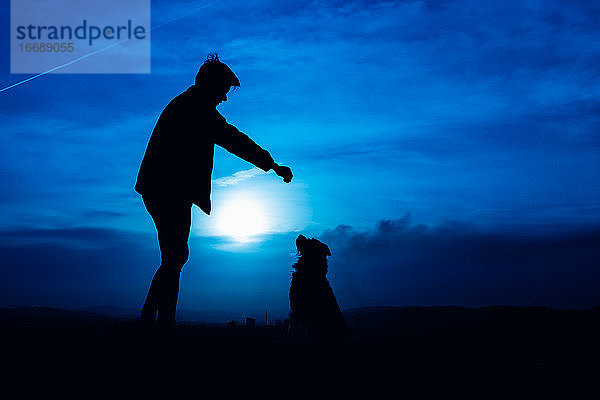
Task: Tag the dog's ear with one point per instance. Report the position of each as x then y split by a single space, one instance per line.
301 242
323 248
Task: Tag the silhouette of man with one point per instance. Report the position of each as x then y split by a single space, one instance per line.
176 173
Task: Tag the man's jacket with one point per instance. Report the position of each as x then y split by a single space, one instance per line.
178 161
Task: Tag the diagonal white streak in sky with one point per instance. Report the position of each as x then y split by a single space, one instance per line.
106 48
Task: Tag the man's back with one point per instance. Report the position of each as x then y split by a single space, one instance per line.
179 158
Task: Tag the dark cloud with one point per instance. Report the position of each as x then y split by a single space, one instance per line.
69 237
102 214
396 263
74 267
402 263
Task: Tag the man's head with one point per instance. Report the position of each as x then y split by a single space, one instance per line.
215 79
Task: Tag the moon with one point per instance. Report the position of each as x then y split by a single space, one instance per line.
242 219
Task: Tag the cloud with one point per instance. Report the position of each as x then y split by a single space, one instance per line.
76 267
397 262
402 263
237 177
73 267
69 237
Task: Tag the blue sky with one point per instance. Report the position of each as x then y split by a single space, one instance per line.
468 116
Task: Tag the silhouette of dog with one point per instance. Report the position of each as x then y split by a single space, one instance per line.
314 311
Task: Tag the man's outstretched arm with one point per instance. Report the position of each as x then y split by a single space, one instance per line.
236 142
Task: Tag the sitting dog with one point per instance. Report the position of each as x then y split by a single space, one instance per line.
314 311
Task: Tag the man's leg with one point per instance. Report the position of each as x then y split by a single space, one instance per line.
168 305
153 298
172 220
151 304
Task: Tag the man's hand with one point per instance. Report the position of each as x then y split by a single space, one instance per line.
284 172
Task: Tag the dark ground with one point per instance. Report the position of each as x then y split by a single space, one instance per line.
395 345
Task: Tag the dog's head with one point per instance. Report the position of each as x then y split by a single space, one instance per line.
312 248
